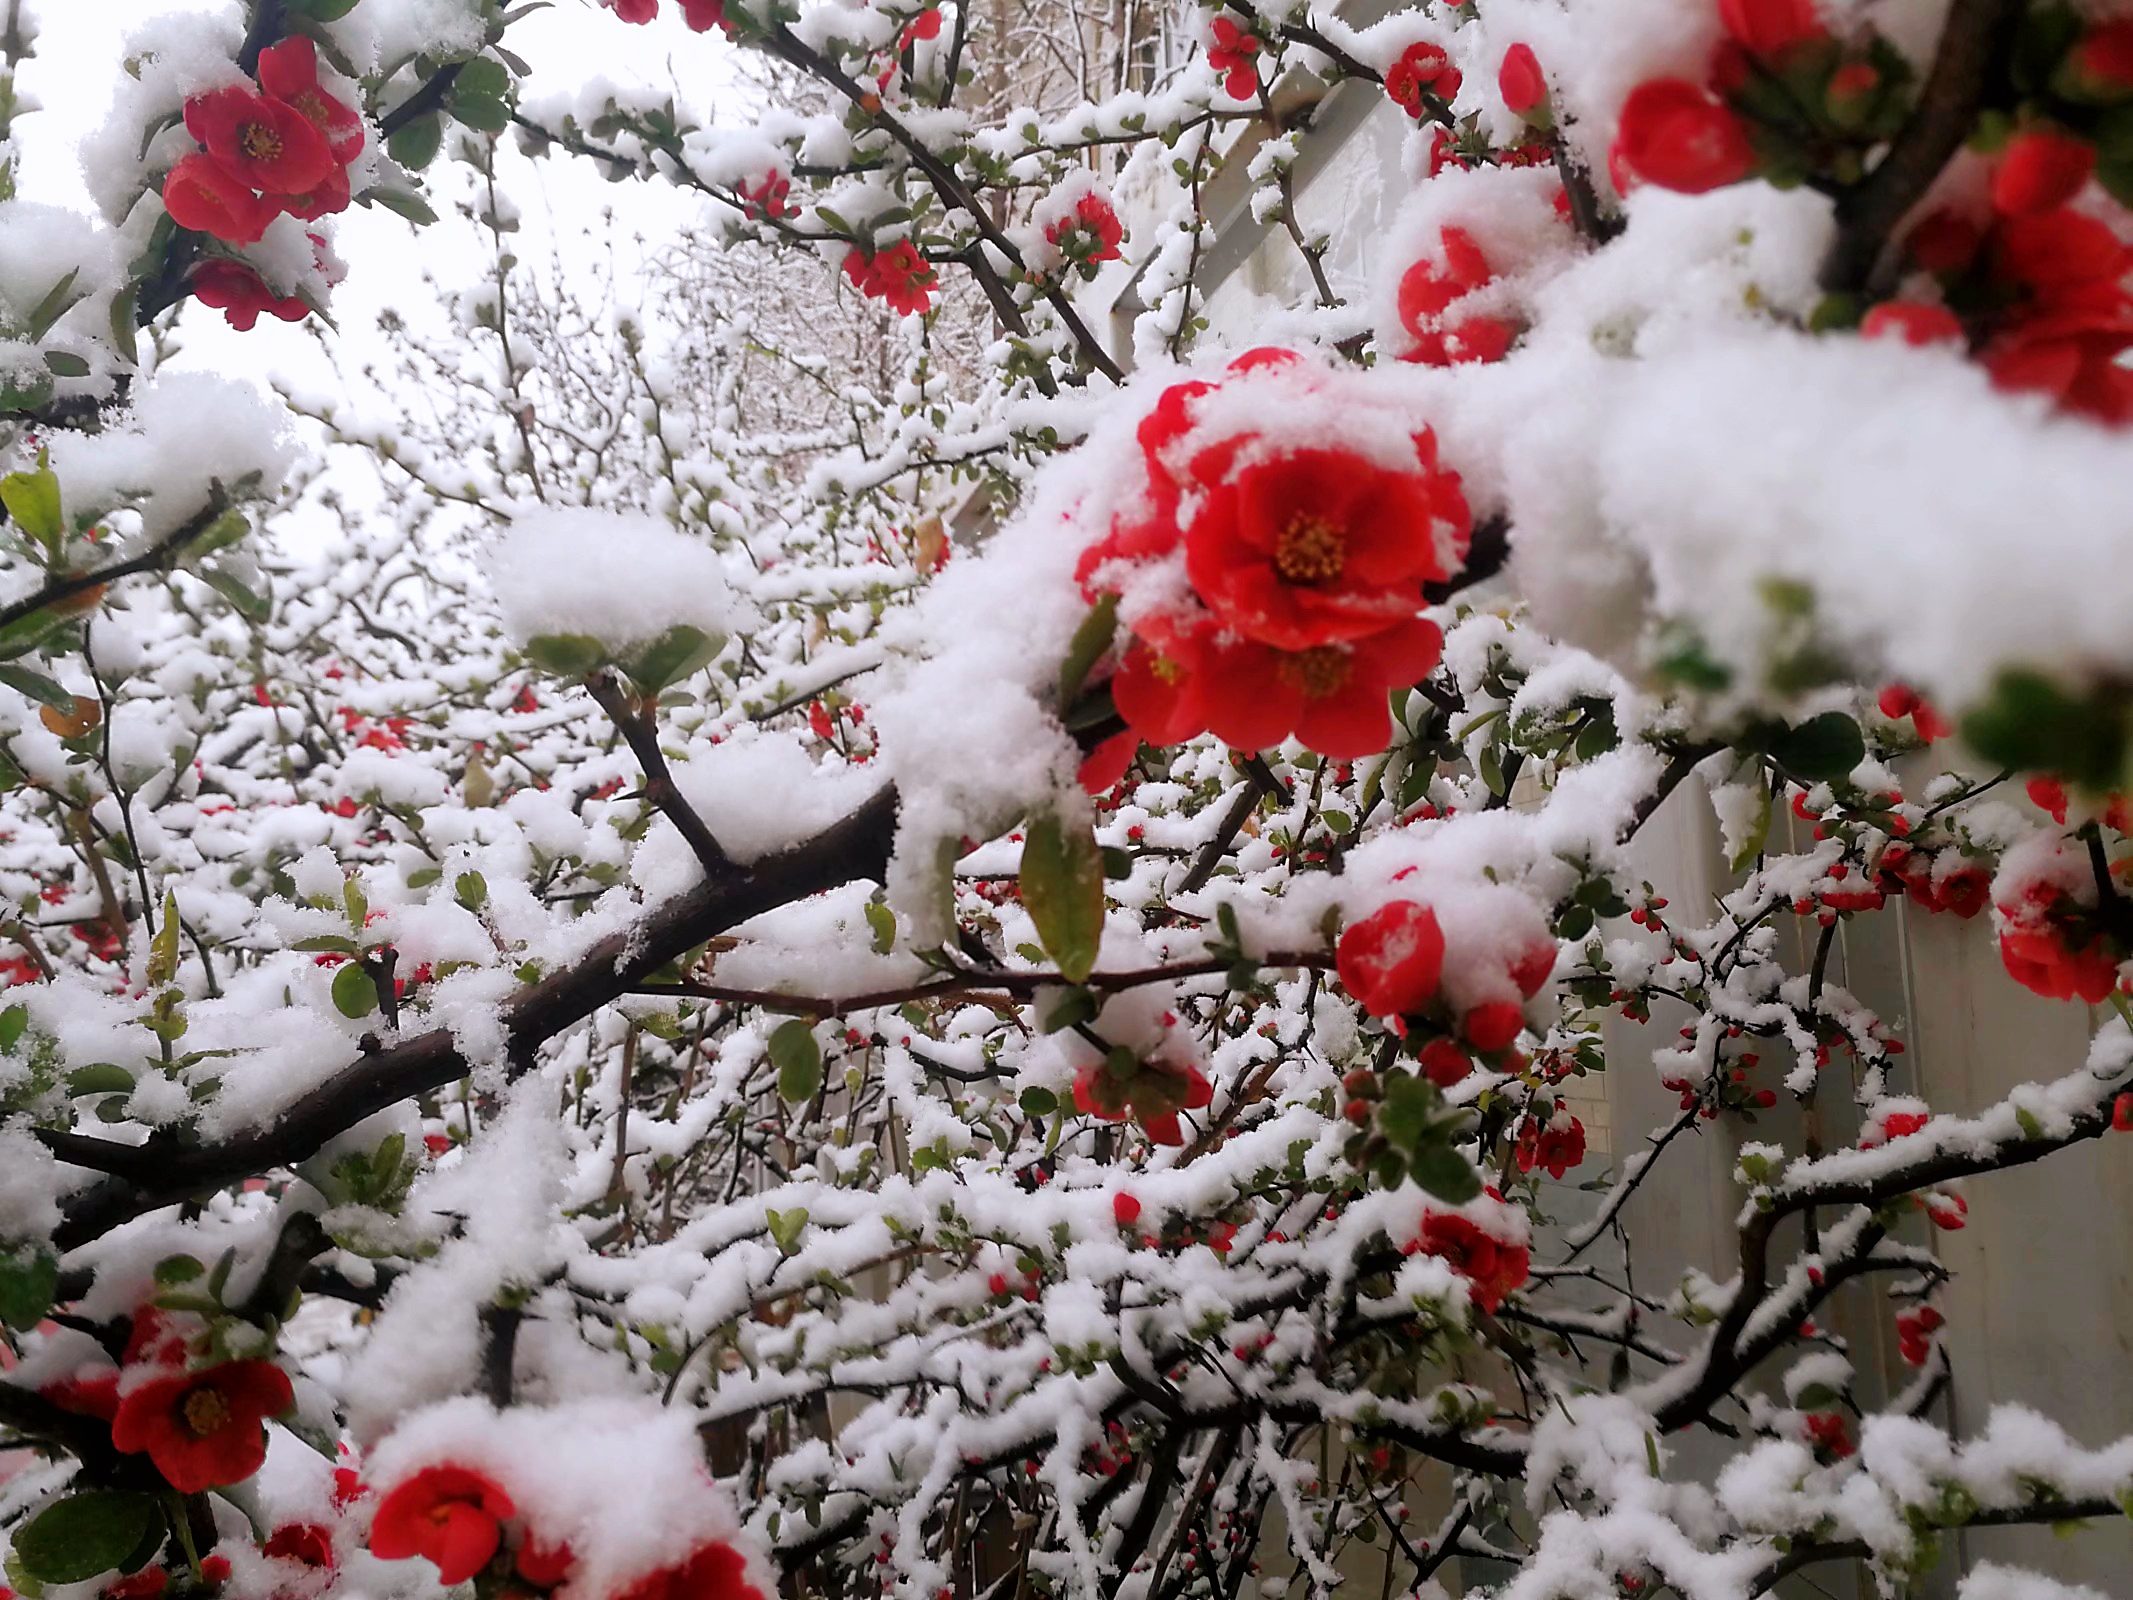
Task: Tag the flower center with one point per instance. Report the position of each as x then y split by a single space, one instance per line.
1310 550
259 141
1171 672
206 1412
1318 672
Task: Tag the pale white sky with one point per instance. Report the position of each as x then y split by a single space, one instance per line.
78 63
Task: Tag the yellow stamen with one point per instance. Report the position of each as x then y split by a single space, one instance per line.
1310 550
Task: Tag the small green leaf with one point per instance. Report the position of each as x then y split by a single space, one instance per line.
678 653
65 364
253 607
481 112
85 1535
415 146
1444 1173
174 1270
102 1077
54 306
881 921
354 993
29 1279
567 655
1095 635
1755 835
163 948
471 889
1063 891
786 1228
34 684
402 202
1822 749
1038 1102
32 499
480 76
798 1058
14 1022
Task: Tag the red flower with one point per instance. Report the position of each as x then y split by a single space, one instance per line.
2049 943
205 196
1332 697
1319 547
2042 169
899 275
308 1542
240 295
767 196
1913 323
264 142
1090 233
1231 55
637 11
1898 701
1549 1145
1491 1267
1104 768
1426 290
1914 1332
1391 960
2048 794
1768 28
1829 1435
1520 80
146 1584
716 1572
450 1515
1679 136
704 15
203 1429
1125 1210
1422 69
1444 1063
2100 68
1492 1025
327 199
1152 1093
93 1396
289 72
544 1565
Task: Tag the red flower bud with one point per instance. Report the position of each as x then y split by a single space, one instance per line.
2042 169
1677 135
1520 80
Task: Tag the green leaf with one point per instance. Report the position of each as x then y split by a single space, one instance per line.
798 1058
1444 1173
174 1270
25 634
65 364
29 1279
567 655
1063 891
415 146
1095 635
402 202
881 921
252 607
354 993
34 684
85 1535
471 889
680 652
14 1022
32 499
481 112
102 1077
1822 749
481 77
1038 1102
123 307
786 1228
2031 724
1756 834
53 306
163 948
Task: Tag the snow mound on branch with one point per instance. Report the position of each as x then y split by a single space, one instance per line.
620 1481
614 576
1993 1582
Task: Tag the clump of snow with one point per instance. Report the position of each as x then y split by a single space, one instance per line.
620 577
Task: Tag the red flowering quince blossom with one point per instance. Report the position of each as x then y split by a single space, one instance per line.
1493 1267
288 71
204 1429
1767 29
1231 54
769 197
1089 233
1678 135
717 1571
1150 1092
204 196
1429 289
451 1516
262 141
1423 69
309 1543
1320 546
1391 960
240 294
898 274
1521 82
2041 169
1552 1142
